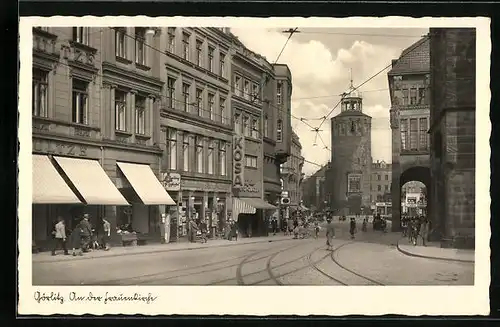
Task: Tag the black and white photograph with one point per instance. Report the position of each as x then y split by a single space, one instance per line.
243 154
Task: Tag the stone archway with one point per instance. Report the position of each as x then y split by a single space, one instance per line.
415 173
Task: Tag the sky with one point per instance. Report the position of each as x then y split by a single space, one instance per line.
321 60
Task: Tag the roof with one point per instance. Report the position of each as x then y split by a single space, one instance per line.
351 113
414 59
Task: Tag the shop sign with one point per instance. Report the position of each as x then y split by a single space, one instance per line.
171 181
238 164
60 148
250 188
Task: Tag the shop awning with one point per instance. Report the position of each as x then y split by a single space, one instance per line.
91 181
145 184
258 203
48 185
239 206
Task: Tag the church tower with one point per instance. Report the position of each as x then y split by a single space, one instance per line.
349 177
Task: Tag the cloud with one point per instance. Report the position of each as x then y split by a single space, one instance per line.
321 71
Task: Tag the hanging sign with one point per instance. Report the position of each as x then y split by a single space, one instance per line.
238 164
171 181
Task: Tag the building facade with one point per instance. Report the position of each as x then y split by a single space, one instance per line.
452 133
381 179
291 174
148 115
314 190
409 85
350 174
95 109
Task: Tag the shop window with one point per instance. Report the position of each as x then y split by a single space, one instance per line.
40 92
80 106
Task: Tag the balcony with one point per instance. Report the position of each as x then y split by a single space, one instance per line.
44 44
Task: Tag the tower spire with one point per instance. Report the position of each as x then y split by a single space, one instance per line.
351 76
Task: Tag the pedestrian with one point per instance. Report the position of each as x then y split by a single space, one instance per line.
203 229
316 229
106 229
193 228
60 236
330 234
76 240
86 233
364 226
274 225
233 233
424 230
352 227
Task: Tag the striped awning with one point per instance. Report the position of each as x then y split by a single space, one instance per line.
240 206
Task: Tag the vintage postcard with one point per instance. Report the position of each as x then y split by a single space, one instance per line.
247 166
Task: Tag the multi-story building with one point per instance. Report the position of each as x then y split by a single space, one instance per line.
409 120
350 173
380 188
452 114
291 174
314 190
195 124
123 115
96 99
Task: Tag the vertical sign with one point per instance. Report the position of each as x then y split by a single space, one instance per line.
238 163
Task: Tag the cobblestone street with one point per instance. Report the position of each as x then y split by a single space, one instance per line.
372 258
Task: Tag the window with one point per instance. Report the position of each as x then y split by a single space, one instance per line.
222 107
246 90
140 115
80 114
211 108
81 35
413 134
403 127
255 128
222 65
423 144
199 101
266 126
222 158
279 131
237 123
199 154
171 40
172 148
171 92
405 97
250 161
140 45
185 46
40 100
378 177
120 111
379 188
237 85
246 126
120 48
211 59
199 53
255 93
386 177
185 96
354 183
279 92
421 96
185 152
210 157
413 96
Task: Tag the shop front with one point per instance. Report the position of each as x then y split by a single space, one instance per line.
202 200
68 181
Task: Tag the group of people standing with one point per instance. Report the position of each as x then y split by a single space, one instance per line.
415 227
80 239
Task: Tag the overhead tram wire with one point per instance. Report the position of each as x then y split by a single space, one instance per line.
361 34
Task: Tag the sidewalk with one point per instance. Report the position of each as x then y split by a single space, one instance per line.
45 257
434 251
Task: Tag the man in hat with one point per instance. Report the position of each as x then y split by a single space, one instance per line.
86 233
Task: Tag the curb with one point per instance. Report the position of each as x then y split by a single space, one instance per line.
429 257
160 250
